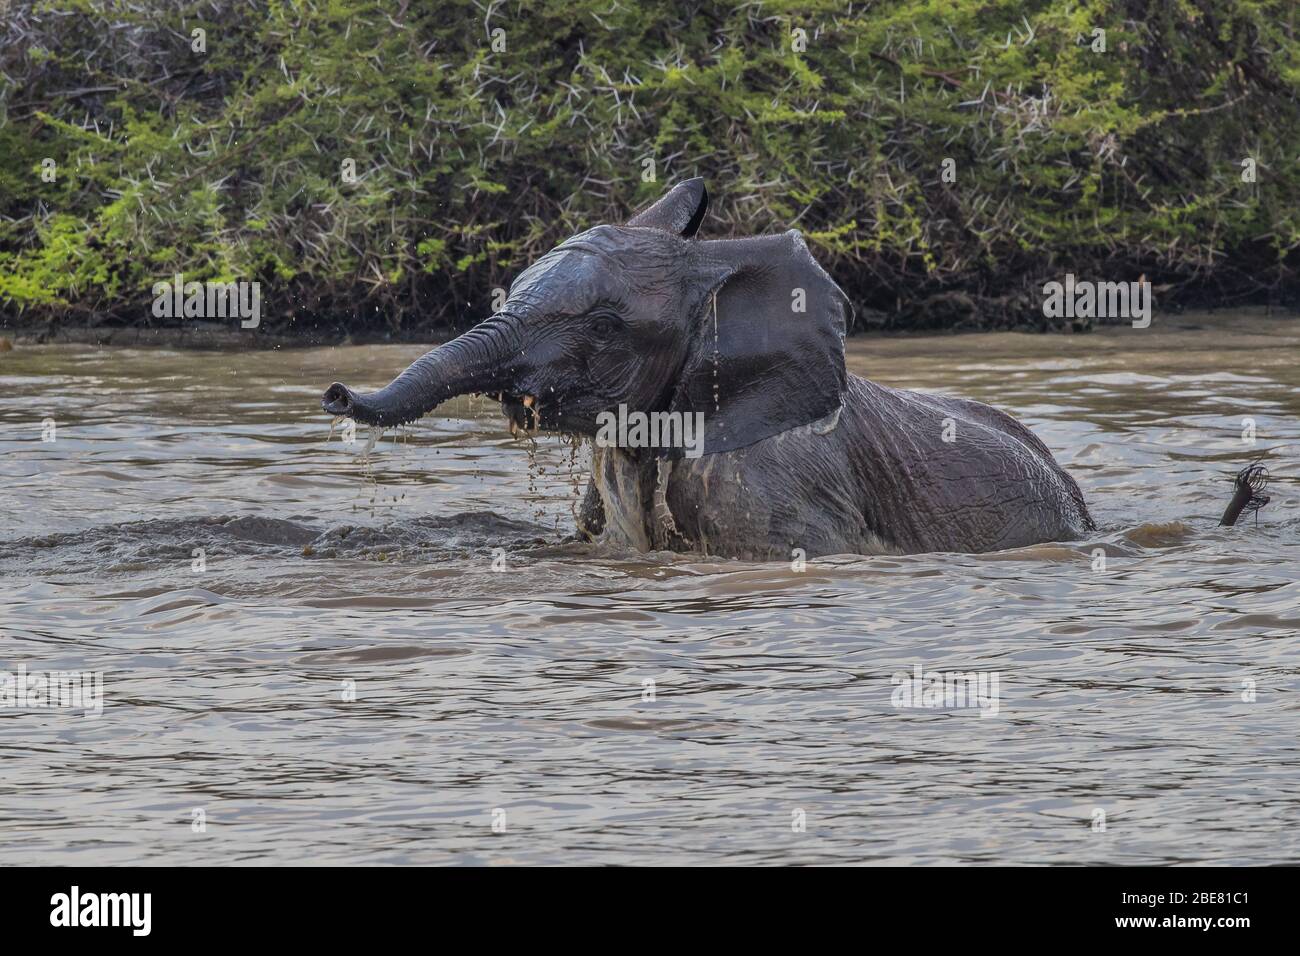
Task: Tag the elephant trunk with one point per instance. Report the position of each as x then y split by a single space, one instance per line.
478 361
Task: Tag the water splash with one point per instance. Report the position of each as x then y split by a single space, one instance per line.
716 388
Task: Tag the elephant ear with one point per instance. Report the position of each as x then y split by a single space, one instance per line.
679 211
767 345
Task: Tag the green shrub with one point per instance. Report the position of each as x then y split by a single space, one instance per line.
472 161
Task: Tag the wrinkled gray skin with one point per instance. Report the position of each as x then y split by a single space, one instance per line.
798 454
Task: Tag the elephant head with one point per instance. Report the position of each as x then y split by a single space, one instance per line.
748 332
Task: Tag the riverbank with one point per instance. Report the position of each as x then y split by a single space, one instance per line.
942 161
227 336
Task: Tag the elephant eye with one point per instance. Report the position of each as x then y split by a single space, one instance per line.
604 325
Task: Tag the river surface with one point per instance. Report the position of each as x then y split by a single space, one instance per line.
308 656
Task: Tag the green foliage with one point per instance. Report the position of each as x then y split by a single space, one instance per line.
470 161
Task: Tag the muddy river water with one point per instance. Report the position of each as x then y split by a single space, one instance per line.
313 656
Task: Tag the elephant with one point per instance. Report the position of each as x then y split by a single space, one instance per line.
743 337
